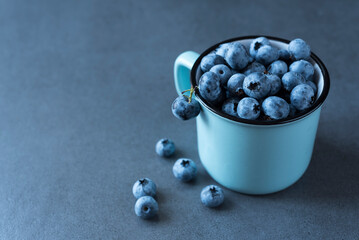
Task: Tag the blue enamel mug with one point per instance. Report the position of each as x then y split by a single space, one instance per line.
252 156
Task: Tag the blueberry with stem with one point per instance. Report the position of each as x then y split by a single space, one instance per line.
185 107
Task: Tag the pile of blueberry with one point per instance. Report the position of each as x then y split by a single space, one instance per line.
254 83
185 170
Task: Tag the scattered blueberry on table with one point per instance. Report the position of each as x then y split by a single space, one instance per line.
184 169
144 187
212 196
146 207
165 147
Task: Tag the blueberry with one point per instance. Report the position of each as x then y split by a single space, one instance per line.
254 67
212 196
210 87
223 72
278 68
256 85
235 85
284 55
210 60
165 147
275 107
303 67
302 97
256 44
184 110
313 85
237 56
184 169
299 49
275 84
292 79
267 54
144 187
230 106
222 49
146 207
248 108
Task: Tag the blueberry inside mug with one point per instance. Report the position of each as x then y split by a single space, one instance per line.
252 156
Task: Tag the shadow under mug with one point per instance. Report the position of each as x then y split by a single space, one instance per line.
252 156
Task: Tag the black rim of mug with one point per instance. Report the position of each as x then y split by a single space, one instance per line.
316 105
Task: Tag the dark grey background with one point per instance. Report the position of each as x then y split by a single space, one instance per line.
85 93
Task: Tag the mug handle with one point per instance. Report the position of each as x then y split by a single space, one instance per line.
182 70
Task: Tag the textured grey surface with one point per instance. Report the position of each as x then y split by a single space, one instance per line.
85 93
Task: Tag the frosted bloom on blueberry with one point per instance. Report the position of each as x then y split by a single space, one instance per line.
144 187
275 107
212 196
223 72
210 87
299 49
210 60
146 207
302 97
248 108
256 44
165 147
235 85
254 67
184 169
304 68
256 85
230 106
278 68
292 79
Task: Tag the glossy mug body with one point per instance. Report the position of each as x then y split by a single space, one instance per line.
252 157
